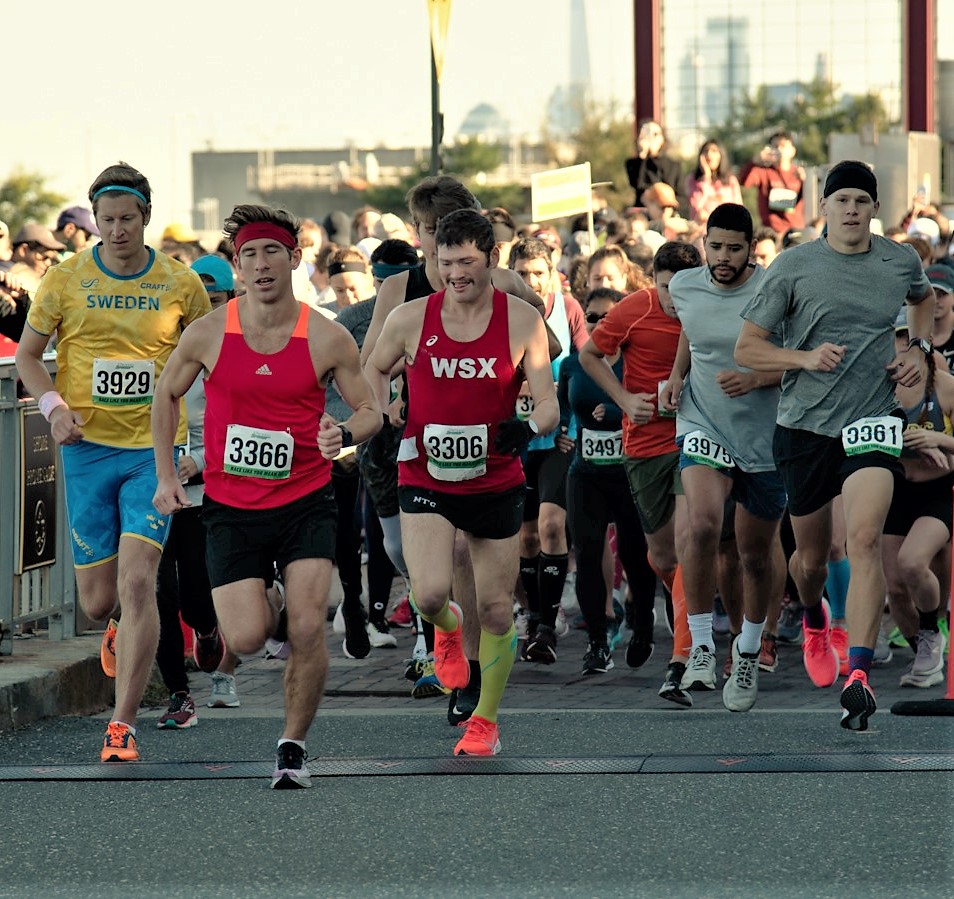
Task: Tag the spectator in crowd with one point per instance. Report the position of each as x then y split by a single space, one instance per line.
778 181
75 227
652 165
711 183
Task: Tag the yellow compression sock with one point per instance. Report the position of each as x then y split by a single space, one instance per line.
496 656
444 620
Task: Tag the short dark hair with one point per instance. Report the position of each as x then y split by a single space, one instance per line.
676 256
463 226
731 217
247 213
122 175
602 293
437 196
530 248
394 252
764 232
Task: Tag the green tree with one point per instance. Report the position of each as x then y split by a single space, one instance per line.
471 157
816 112
25 198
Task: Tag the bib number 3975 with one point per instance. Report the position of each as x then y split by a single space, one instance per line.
257 453
884 434
119 382
702 448
455 452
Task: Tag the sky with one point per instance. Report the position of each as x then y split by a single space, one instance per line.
113 82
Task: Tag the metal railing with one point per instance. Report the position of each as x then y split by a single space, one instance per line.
37 584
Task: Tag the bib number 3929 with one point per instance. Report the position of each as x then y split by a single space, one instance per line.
257 453
120 382
702 448
884 434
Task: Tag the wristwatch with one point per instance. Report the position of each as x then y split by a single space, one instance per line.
533 426
346 438
923 344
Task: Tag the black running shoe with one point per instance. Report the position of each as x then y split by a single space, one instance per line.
290 772
357 643
857 701
640 648
542 648
671 688
462 704
597 659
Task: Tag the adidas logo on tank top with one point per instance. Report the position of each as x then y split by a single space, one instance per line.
263 370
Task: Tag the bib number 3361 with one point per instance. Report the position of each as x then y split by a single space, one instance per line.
700 447
884 434
257 453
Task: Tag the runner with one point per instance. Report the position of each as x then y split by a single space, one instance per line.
837 429
267 360
117 311
459 459
724 431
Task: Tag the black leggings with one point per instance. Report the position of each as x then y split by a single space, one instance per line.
182 586
593 501
348 545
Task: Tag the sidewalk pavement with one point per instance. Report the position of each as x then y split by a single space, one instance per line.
44 678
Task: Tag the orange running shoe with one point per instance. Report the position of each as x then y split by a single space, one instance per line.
482 737
839 639
450 663
119 745
107 649
819 656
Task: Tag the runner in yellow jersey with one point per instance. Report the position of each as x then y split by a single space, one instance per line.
116 310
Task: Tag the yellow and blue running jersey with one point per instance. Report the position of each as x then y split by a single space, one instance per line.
114 335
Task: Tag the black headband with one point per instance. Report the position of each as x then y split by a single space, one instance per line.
336 268
855 175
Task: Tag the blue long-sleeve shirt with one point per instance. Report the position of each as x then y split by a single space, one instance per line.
579 395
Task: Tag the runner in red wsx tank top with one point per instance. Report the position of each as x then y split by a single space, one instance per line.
269 444
459 465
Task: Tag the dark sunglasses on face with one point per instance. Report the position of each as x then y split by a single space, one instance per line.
594 318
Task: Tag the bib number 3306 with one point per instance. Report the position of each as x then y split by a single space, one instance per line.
884 434
257 453
455 452
700 447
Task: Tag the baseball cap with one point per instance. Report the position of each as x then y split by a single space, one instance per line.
926 228
179 233
79 216
662 193
337 226
941 277
797 236
34 233
901 322
217 269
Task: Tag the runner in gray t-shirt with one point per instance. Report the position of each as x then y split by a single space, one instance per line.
834 300
724 427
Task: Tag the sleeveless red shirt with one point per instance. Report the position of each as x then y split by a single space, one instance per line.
256 405
459 393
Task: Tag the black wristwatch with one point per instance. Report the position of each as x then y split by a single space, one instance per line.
346 438
923 344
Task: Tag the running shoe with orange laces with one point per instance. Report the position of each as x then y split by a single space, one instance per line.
481 737
107 649
450 663
819 656
857 701
839 639
119 744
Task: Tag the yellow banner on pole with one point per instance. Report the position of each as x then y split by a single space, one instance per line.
560 192
438 12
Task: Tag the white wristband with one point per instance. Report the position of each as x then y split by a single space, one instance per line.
48 402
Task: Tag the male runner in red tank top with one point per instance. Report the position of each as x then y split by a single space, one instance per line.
459 465
269 445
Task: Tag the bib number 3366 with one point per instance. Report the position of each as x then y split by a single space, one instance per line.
254 452
884 434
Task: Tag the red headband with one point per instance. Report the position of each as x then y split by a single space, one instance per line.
257 230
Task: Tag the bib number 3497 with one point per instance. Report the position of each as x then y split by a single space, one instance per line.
884 434
700 447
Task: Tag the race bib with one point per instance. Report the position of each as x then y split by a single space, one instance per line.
700 447
781 199
257 453
118 382
602 447
455 452
883 434
524 407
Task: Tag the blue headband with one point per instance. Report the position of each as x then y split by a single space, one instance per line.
119 187
384 270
